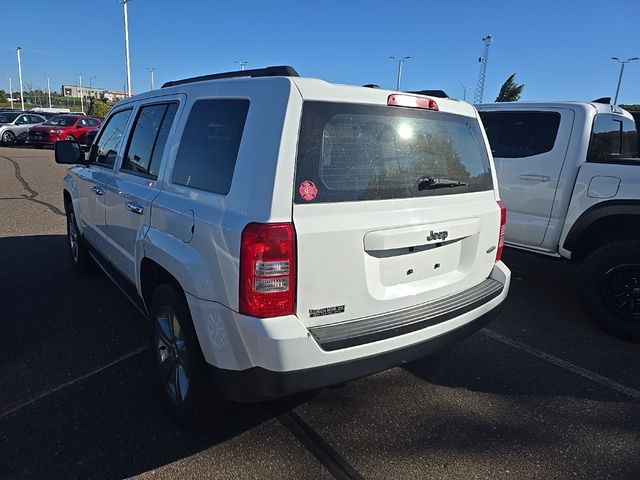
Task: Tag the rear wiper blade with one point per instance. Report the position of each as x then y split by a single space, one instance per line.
430 183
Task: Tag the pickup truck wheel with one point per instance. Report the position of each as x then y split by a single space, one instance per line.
611 288
188 388
80 257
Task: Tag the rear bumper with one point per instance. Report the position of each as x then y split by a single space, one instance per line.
259 384
255 359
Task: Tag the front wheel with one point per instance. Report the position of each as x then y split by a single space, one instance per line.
70 137
611 288
188 389
8 138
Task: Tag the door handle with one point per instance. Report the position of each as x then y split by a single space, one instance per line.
97 190
535 178
135 208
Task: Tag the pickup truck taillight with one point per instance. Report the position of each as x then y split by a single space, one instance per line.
267 270
503 225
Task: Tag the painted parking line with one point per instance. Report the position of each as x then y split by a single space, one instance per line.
583 372
46 393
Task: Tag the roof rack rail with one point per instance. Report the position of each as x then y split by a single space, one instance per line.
432 93
278 71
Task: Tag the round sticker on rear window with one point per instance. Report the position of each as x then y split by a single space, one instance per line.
308 190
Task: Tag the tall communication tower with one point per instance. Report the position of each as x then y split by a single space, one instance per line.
483 69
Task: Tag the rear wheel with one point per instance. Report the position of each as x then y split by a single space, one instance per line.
188 389
69 137
8 137
611 288
80 257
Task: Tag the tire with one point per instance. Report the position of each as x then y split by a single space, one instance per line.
8 138
80 257
69 137
188 390
610 288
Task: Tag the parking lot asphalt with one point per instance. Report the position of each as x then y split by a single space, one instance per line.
540 393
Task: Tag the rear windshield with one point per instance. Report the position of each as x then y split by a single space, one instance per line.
62 121
365 152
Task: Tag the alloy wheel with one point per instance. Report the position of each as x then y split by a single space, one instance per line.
621 291
171 354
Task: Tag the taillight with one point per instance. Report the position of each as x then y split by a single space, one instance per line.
413 101
267 269
503 225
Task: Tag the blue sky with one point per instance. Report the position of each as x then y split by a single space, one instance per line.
559 49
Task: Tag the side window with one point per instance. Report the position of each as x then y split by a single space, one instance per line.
22 119
106 148
520 134
209 146
613 137
148 140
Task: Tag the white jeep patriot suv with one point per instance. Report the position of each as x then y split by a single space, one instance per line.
285 233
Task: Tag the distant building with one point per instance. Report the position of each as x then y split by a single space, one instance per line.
111 96
73 91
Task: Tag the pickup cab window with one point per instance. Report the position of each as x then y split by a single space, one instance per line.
521 134
613 138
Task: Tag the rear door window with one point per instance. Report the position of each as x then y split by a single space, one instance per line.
613 138
521 134
209 146
351 152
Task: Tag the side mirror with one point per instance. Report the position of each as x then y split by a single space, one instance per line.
68 152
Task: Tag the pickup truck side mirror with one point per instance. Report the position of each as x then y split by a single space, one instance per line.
68 152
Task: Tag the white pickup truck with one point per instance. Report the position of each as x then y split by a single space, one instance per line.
569 175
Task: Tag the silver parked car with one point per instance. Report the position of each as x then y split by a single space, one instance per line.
13 124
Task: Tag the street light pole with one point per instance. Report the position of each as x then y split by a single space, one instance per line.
20 77
126 44
242 63
10 92
49 90
464 98
622 64
400 61
81 99
151 70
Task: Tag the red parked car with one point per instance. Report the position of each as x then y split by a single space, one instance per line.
62 127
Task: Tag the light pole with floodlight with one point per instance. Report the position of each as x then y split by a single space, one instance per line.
80 86
400 61
151 70
242 64
49 90
10 92
622 63
126 44
20 77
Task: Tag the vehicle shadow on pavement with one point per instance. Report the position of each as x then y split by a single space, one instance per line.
62 413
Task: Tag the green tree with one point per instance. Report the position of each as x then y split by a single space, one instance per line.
3 96
510 90
631 107
98 108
